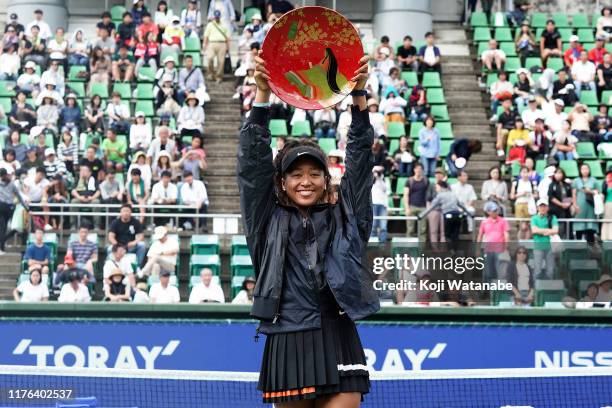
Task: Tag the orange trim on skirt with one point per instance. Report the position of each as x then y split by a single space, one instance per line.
289 393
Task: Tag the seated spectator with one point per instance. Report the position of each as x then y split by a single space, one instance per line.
597 53
572 54
10 37
94 116
58 48
84 251
520 275
539 141
105 37
494 233
583 73
29 80
193 161
532 113
190 120
162 165
147 52
90 160
165 193
500 91
167 70
245 296
517 137
382 48
601 122
190 78
206 291
123 65
146 27
68 151
118 260
37 185
86 190
584 188
53 76
161 143
543 226
193 194
166 102
380 204
429 140
604 294
191 19
115 150
34 47
78 49
70 116
69 267
111 191
545 183
13 143
505 123
560 197
48 113
525 43
10 62
127 231
173 37
162 255
52 165
604 23
384 64
524 193
461 149
118 114
126 31
550 42
23 115
74 291
162 291
117 290
56 193
417 102
554 120
141 292
325 123
335 166
466 195
37 254
100 68
564 143
407 55
591 293
140 133
403 159
32 290
495 189
493 57
523 88
581 120
429 55
392 106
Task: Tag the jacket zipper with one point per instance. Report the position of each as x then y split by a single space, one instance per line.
283 249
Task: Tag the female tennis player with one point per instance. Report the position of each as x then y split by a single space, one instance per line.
308 252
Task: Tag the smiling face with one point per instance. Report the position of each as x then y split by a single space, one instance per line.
304 183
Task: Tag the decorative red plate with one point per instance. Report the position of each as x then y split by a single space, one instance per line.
311 54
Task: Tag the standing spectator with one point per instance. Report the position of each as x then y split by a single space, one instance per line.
126 230
493 57
583 73
38 254
216 44
543 187
572 54
543 226
75 291
604 23
520 275
32 290
429 140
190 78
415 193
550 42
606 190
193 194
162 291
500 91
524 193
45 30
560 197
245 296
206 291
191 19
494 233
162 254
495 189
461 149
111 190
525 43
584 188
190 120
435 220
596 54
407 55
380 204
84 251
466 195
429 55
114 150
137 192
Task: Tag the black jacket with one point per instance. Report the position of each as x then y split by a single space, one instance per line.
286 293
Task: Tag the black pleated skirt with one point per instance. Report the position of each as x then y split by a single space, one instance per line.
314 363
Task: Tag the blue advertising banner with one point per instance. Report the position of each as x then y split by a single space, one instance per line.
230 346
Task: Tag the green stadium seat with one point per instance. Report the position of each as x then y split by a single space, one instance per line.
479 19
410 77
586 35
278 127
560 20
99 89
169 52
586 150
249 12
198 262
399 187
512 64
445 129
117 12
552 290
6 90
570 167
538 20
151 280
78 88
580 20
237 284
533 62
6 104
482 34
606 247
195 279
440 113
327 144
415 127
482 47
589 98
204 244
606 97
146 74
435 96
124 89
555 63
241 265
192 44
445 147
491 78
239 245
574 249
583 270
431 80
146 107
595 167
605 150
508 48
144 92
301 128
396 130
73 73
499 20
503 34
498 296
393 146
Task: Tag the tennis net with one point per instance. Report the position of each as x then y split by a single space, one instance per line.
570 387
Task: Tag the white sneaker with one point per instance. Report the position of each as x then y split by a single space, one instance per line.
493 119
48 227
501 153
236 96
188 226
2 253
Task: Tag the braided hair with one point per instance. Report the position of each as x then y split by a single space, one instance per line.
291 144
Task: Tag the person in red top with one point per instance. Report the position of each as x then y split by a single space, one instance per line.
572 54
596 54
147 26
494 232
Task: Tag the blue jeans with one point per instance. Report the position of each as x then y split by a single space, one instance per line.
564 156
380 211
415 117
578 85
452 169
319 133
540 255
491 266
140 250
494 105
429 166
520 101
405 169
75 59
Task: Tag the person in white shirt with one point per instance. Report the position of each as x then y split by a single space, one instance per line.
10 62
164 192
29 81
36 185
380 203
583 73
75 291
118 260
384 65
32 290
193 193
377 119
544 185
140 133
161 143
532 113
163 292
191 117
492 55
207 291
393 106
53 76
45 30
118 113
554 120
58 47
500 90
466 195
162 253
245 296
